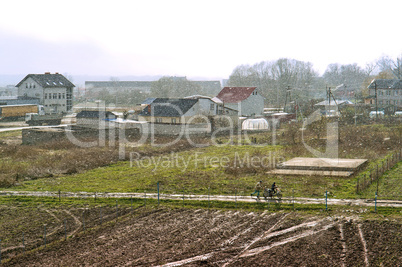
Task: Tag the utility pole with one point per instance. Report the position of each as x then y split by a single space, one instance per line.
355 108
376 105
286 98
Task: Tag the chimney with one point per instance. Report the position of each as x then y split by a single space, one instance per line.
47 72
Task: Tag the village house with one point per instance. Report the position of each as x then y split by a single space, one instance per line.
182 110
388 92
54 91
194 114
246 100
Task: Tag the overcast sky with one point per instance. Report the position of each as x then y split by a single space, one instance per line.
191 38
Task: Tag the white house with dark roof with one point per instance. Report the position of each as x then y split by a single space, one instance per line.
54 91
247 100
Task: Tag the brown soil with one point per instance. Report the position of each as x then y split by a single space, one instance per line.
183 237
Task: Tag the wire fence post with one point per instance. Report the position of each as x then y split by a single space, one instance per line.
158 193
326 200
100 215
183 197
293 195
145 198
375 200
208 198
59 196
117 210
235 198
131 200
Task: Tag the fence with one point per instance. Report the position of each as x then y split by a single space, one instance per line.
374 173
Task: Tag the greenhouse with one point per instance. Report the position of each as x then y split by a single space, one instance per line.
255 124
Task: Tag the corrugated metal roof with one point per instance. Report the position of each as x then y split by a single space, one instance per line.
235 94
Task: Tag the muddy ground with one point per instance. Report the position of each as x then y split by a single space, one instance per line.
186 237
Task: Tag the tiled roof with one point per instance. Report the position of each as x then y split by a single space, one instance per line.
235 94
386 84
48 80
168 107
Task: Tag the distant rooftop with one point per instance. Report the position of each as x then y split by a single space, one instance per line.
48 80
385 84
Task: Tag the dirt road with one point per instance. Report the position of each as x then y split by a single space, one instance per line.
297 200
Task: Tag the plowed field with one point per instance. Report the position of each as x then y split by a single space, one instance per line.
186 237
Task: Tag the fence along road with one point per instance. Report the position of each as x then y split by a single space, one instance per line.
290 200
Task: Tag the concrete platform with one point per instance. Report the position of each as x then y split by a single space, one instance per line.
319 166
311 173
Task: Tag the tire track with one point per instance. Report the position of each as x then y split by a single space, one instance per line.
366 261
76 220
256 251
257 239
344 250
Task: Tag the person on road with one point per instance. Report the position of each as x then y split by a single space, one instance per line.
257 189
273 188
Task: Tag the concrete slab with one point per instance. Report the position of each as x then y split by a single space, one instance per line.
319 167
323 164
311 173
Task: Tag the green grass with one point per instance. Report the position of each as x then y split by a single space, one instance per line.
199 171
16 133
193 170
389 185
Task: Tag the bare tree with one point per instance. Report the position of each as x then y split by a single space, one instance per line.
387 64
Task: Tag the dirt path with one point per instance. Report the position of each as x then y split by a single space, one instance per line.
297 200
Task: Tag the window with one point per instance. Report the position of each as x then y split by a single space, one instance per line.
159 120
173 120
54 95
59 95
388 92
64 96
212 107
34 85
395 92
26 85
45 95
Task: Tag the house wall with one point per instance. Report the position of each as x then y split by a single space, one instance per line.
61 104
388 96
178 129
31 88
253 105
